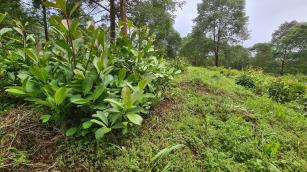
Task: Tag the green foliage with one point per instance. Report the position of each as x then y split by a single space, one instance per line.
85 82
279 92
235 57
283 93
159 16
289 43
246 81
195 48
223 22
180 64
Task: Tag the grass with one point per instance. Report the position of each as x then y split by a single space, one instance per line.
223 127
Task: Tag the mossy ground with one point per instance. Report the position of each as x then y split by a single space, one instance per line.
223 126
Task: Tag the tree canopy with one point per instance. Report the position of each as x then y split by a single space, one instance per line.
223 21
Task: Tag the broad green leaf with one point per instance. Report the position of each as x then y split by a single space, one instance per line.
30 86
98 63
50 100
137 96
31 53
135 118
70 132
122 74
87 124
2 17
39 73
45 118
114 119
126 96
40 102
11 76
62 45
98 92
18 30
87 84
99 134
73 27
135 110
60 95
98 122
106 79
103 116
142 84
19 91
114 103
101 37
79 101
5 30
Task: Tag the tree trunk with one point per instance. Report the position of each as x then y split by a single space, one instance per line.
112 19
45 22
217 50
283 62
216 55
282 67
123 16
216 40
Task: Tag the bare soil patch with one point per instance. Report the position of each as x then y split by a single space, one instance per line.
21 131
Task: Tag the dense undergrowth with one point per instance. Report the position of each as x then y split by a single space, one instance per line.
223 127
81 80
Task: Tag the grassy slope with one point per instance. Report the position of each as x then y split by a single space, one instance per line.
223 126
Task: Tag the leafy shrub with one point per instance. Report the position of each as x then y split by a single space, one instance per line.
246 81
84 81
179 64
281 92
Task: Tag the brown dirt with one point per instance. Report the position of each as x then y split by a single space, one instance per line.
201 87
21 131
196 85
165 106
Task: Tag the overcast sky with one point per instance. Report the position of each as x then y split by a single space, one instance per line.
264 17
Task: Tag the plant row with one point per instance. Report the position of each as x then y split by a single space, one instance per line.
81 80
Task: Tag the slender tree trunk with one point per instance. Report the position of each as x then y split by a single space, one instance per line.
45 22
282 67
218 42
112 19
283 62
123 16
216 55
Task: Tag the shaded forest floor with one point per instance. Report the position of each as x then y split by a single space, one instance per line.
223 126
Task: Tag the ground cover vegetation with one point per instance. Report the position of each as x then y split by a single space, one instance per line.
203 122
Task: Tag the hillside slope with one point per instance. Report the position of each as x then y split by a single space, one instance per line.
223 127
